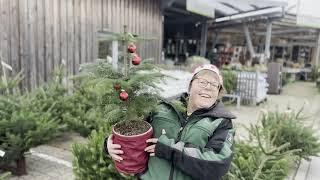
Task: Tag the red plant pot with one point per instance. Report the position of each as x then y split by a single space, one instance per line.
135 159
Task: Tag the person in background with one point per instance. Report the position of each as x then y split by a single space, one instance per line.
194 142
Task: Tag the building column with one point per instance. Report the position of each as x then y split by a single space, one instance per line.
316 59
268 40
248 40
204 36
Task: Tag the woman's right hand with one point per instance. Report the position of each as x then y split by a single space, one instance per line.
114 150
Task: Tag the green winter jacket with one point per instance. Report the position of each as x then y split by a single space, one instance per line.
195 147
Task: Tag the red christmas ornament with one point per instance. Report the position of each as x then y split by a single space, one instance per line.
132 48
136 60
123 95
117 86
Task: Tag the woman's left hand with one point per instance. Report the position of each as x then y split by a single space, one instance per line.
151 149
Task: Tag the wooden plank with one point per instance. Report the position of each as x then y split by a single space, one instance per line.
90 24
96 16
56 31
155 34
129 15
158 32
4 30
70 37
82 30
48 39
51 37
108 11
9 34
122 15
125 15
5 42
1 30
32 42
97 8
36 21
63 34
102 11
117 17
137 17
93 22
111 13
40 56
77 42
134 16
139 26
146 28
23 44
151 30
143 24
14 25
87 30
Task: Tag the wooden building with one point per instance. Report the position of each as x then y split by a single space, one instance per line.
35 35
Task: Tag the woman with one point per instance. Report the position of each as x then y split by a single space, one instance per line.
196 144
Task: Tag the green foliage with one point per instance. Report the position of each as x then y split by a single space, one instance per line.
315 73
229 80
96 103
30 119
5 176
8 85
261 158
285 79
289 127
90 161
51 98
23 127
250 162
278 141
97 106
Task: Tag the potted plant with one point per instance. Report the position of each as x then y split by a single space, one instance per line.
133 95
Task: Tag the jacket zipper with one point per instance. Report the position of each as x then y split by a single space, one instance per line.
178 139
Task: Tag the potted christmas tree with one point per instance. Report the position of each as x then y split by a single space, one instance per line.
133 97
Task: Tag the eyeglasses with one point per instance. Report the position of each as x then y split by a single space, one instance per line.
204 83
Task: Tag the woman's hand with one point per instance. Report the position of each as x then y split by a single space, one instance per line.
114 150
151 149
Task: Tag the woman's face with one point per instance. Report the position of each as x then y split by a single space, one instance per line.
204 90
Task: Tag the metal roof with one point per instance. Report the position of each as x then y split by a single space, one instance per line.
232 7
227 10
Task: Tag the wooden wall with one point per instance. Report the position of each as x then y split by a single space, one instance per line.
35 35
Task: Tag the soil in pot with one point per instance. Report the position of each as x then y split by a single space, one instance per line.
130 128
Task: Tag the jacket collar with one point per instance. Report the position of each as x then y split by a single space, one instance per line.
217 110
